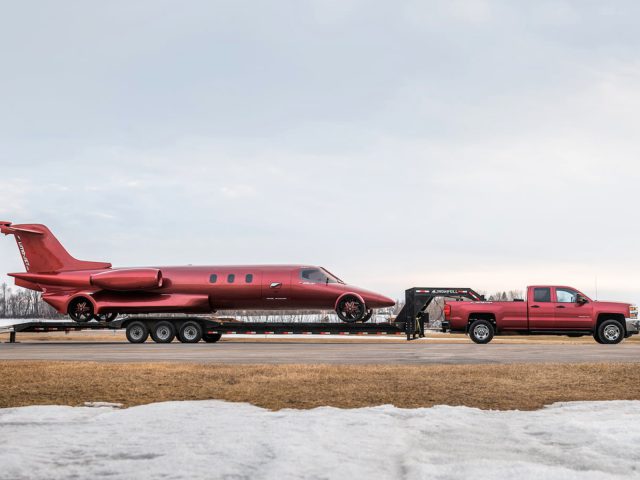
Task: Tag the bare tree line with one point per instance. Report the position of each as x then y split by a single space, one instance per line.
21 303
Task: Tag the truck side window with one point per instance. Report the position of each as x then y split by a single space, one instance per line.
541 294
566 295
213 278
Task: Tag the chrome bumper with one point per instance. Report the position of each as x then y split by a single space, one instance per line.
633 326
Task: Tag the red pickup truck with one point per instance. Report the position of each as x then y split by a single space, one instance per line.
548 310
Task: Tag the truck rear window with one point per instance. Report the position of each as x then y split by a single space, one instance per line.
541 294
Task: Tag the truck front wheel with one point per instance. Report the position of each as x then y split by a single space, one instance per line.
481 331
610 332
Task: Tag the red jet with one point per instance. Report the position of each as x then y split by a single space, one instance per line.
87 290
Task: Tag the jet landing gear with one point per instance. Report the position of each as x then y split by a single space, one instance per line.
105 317
81 310
351 310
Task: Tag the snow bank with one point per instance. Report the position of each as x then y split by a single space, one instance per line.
215 439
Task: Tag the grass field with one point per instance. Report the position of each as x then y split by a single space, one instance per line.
519 386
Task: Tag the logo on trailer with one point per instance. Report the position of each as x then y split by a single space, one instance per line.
23 253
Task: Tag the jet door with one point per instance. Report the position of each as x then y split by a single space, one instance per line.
276 287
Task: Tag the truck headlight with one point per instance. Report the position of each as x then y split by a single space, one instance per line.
633 311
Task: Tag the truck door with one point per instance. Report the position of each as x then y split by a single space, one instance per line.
276 288
571 315
541 309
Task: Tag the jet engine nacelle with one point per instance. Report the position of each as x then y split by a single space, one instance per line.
128 279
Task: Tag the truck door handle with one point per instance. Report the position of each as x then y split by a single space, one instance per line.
535 306
275 285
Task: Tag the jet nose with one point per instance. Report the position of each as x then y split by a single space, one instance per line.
379 301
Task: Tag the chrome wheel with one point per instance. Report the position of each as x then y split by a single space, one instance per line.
612 333
136 333
163 333
190 333
481 332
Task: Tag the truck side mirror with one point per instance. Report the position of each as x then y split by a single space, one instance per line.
581 299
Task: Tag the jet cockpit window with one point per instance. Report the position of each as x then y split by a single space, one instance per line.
317 275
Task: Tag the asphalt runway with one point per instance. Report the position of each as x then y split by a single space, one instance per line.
410 353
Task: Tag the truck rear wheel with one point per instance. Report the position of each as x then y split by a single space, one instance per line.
163 332
481 331
137 332
190 332
610 332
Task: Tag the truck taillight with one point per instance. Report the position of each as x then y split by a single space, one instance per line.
447 311
633 312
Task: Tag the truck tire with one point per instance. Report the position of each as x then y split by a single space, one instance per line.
163 332
190 332
610 332
137 332
211 337
481 331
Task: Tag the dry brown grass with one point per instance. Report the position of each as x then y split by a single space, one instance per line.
520 386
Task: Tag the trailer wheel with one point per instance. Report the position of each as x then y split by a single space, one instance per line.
481 331
137 332
163 332
350 309
105 317
190 332
610 332
81 310
211 337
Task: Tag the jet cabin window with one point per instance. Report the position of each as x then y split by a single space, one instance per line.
542 295
566 295
213 278
231 278
316 275
248 278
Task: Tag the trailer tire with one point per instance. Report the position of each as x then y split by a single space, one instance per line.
481 331
163 332
211 337
137 332
610 332
190 332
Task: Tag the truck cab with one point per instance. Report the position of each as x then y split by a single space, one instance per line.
547 310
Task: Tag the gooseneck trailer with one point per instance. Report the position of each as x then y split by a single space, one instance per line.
410 322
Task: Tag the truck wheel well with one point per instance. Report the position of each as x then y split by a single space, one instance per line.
611 316
490 317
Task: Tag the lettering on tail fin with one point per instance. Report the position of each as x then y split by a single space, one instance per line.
23 253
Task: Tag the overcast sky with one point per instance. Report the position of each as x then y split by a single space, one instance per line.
416 143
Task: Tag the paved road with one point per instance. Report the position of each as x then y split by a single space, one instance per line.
335 353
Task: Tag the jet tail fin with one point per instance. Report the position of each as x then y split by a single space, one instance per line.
42 252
